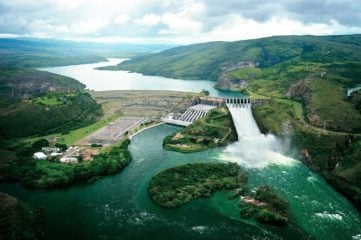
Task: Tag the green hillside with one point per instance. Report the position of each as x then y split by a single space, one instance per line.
202 61
27 103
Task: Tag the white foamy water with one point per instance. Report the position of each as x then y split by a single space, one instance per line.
330 216
253 149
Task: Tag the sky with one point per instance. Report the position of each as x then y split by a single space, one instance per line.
176 21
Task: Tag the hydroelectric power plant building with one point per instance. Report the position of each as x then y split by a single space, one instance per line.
202 105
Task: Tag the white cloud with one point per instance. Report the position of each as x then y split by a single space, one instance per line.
179 25
186 21
180 21
148 20
42 28
87 27
69 4
121 19
236 27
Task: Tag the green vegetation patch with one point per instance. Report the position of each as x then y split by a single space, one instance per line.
330 108
26 119
44 174
216 129
51 99
272 116
266 206
176 186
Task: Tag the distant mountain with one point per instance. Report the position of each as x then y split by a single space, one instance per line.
203 61
47 45
33 52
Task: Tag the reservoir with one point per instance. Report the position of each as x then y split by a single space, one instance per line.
119 207
103 80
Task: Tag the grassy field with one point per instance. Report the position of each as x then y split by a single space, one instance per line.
49 101
72 137
295 106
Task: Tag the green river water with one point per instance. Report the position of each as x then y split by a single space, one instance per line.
118 207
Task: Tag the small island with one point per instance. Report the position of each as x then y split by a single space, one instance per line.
265 205
216 129
176 186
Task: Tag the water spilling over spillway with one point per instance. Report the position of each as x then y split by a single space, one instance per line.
253 149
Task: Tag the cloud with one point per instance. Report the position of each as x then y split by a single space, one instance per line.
148 20
69 4
122 19
181 21
87 27
186 21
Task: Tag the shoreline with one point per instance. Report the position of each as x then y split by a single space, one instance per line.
144 129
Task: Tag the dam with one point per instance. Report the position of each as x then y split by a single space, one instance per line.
202 105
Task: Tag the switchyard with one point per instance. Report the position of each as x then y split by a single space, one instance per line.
112 132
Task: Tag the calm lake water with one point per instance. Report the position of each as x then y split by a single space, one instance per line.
102 80
119 207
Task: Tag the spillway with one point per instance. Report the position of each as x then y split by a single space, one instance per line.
253 149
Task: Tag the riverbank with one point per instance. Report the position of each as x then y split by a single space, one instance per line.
332 154
45 174
137 131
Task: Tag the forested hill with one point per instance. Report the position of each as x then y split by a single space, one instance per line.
34 53
36 102
203 61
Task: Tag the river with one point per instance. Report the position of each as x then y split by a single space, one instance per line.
118 207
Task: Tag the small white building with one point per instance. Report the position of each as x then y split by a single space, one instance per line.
69 160
56 154
39 156
51 149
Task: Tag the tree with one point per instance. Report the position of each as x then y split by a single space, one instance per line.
37 145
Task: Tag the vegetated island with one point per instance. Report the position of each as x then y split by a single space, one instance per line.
216 129
176 186
19 220
265 205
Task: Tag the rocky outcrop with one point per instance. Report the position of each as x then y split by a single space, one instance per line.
228 83
299 91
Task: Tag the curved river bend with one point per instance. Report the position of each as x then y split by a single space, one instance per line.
118 207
